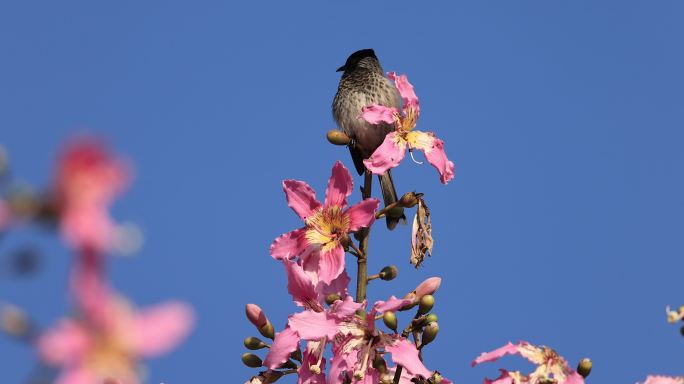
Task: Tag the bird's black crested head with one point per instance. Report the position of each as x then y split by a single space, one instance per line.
364 58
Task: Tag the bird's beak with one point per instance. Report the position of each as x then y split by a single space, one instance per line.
340 69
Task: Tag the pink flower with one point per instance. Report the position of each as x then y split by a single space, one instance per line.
664 380
91 353
549 365
393 149
88 180
326 225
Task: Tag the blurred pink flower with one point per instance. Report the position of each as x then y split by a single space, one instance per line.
88 179
550 366
393 149
92 353
663 380
326 225
5 215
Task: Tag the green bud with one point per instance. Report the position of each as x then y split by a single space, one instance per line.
331 298
380 364
251 360
430 318
426 304
289 364
390 320
409 200
584 367
389 272
430 333
338 137
267 330
254 343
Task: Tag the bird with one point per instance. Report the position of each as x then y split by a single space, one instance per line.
363 83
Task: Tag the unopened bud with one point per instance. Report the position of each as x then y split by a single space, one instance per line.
584 367
267 330
428 287
380 364
13 321
390 320
255 315
430 333
331 298
289 364
409 200
389 272
431 318
338 137
251 360
426 304
254 343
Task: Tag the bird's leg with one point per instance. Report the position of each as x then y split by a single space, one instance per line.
362 262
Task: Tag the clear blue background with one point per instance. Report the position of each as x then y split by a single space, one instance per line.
564 118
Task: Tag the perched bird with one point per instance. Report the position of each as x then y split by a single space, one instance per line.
363 83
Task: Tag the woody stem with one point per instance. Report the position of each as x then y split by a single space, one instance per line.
362 266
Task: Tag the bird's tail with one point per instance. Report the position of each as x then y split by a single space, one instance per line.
389 195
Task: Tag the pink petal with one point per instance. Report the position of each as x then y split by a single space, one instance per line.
300 286
428 287
78 374
437 157
340 185
339 363
405 354
392 304
345 308
504 378
255 315
362 215
388 155
87 227
284 344
312 325
289 245
405 90
663 380
376 114
508 349
339 286
311 353
159 329
576 378
331 264
67 342
300 197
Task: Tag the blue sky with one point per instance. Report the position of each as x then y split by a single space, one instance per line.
563 225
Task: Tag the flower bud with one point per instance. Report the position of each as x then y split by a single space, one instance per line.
13 321
338 137
584 367
251 360
428 287
331 298
389 272
267 330
426 304
430 333
289 364
380 364
409 200
431 318
254 343
255 315
390 320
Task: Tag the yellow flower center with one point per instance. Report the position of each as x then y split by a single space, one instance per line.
109 358
327 226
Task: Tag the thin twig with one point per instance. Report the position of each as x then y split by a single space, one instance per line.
362 261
